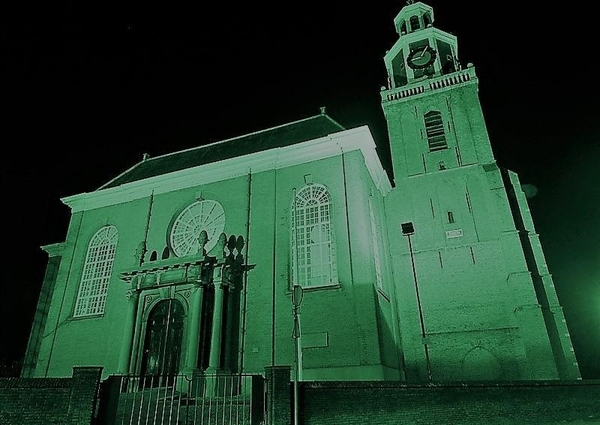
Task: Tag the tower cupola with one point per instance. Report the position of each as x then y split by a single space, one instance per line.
421 51
413 17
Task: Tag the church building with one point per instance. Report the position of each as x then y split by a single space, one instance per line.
186 263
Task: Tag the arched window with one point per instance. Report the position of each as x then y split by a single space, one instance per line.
434 126
426 20
313 247
91 298
414 23
403 28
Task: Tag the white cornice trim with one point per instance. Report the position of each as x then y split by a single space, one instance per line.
406 39
359 138
53 249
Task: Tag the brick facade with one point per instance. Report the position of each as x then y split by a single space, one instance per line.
46 401
523 402
279 394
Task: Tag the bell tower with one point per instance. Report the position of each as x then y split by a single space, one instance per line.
431 98
473 293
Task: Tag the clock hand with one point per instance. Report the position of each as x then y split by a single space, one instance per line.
423 52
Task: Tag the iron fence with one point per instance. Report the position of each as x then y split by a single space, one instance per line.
236 399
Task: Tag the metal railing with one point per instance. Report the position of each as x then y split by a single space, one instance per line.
432 83
201 399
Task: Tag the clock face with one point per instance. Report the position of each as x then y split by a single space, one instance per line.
421 58
201 215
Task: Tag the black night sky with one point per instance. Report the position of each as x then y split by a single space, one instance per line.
83 102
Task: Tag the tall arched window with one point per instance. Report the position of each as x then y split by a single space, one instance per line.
313 247
434 126
91 298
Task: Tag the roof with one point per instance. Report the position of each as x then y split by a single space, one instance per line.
284 135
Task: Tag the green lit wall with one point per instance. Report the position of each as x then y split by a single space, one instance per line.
467 296
482 315
348 327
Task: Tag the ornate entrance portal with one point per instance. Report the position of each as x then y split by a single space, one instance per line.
184 313
162 344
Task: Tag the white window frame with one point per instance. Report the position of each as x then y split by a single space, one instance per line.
313 242
97 271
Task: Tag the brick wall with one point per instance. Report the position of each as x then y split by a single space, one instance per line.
279 397
541 402
47 401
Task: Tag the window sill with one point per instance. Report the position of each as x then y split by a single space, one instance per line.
91 316
315 288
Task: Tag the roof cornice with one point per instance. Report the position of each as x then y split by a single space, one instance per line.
359 138
54 249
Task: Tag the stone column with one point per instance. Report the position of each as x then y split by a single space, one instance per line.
191 362
214 362
125 354
137 330
229 331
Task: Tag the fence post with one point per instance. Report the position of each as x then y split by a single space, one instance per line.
83 399
279 395
257 400
110 389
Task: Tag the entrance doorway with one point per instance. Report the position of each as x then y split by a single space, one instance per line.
162 343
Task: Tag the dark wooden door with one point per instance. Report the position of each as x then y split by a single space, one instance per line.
162 344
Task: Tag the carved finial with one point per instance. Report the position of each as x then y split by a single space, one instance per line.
409 2
202 240
220 254
239 245
231 246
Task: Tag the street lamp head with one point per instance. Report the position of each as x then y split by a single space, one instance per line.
408 228
297 294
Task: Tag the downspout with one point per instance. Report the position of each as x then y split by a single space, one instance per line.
245 289
147 230
135 349
274 269
294 241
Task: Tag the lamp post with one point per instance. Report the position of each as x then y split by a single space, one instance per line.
297 294
408 230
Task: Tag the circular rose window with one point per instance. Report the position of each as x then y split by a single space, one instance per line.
199 216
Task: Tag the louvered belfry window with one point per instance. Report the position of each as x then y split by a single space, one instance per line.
434 126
